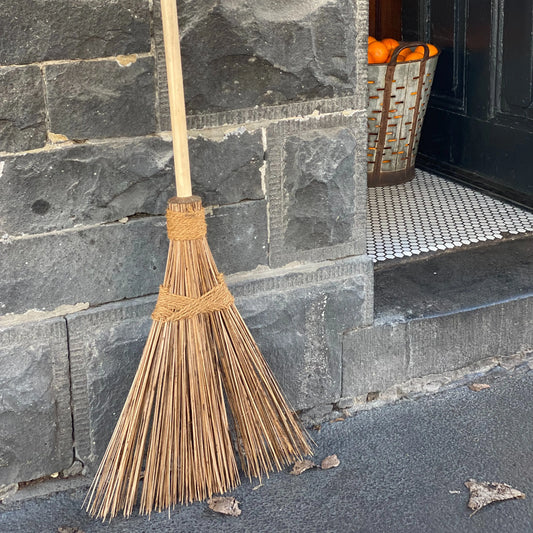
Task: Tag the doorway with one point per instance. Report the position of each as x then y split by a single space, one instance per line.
478 127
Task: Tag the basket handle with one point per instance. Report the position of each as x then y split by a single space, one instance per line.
398 49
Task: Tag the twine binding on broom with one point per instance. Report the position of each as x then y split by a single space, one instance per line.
186 226
189 226
174 307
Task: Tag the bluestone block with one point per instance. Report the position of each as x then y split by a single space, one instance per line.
22 113
109 262
40 30
106 345
241 55
35 419
297 316
95 99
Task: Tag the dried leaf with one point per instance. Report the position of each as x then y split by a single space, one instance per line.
483 493
224 505
340 419
476 387
301 466
331 461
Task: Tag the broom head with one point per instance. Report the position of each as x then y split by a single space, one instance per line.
174 432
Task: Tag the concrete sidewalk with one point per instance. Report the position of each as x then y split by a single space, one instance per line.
403 469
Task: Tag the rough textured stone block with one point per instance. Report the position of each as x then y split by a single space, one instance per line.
105 346
378 357
238 55
374 358
103 182
456 340
237 236
96 264
85 184
300 332
91 99
318 189
35 421
298 322
105 263
227 171
22 115
40 30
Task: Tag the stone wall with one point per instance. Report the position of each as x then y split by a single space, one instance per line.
275 95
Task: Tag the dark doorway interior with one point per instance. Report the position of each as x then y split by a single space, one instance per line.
479 124
385 19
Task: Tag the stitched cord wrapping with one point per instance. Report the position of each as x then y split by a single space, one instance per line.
174 307
187 226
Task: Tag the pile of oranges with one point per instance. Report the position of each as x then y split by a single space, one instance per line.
381 51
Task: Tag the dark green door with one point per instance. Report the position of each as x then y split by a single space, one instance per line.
479 124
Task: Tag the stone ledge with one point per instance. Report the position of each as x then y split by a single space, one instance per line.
301 275
377 357
461 278
487 371
307 110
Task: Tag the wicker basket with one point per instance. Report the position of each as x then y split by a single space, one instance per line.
398 96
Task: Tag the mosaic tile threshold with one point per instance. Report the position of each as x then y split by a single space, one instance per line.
430 214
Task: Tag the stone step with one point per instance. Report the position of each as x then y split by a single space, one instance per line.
443 313
460 279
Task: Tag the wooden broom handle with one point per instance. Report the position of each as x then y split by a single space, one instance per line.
176 97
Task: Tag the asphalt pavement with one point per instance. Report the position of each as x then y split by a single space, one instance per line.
402 469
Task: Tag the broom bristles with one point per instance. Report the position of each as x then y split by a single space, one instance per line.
173 431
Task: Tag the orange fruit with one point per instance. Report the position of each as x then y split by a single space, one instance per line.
391 44
414 56
400 58
405 52
371 39
377 52
432 50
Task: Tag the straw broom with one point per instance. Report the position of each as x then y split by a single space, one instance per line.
173 432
